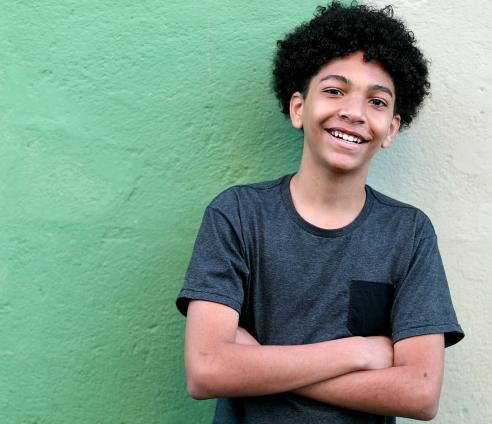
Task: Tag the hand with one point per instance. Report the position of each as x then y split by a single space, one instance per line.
380 352
244 338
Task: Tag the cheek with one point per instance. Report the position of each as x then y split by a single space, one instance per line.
382 126
316 117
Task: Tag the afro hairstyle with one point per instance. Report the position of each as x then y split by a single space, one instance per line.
337 31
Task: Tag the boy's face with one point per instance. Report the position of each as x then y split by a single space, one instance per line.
347 114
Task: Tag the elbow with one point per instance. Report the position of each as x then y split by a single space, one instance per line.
197 391
425 413
199 381
429 408
426 405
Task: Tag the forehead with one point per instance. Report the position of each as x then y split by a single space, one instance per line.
355 69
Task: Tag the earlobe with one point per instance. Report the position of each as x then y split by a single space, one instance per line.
296 104
393 130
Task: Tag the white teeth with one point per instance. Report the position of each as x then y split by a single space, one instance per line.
346 137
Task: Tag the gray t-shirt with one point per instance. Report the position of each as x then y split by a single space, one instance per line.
295 283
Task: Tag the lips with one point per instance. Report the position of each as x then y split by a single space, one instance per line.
347 136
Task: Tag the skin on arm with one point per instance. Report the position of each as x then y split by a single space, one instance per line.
220 363
411 388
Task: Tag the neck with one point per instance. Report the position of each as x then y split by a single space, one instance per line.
326 199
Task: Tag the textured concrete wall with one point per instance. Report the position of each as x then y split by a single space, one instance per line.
120 122
443 165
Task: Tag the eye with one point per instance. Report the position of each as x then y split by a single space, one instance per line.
333 91
378 102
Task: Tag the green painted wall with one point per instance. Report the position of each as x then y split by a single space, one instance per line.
119 122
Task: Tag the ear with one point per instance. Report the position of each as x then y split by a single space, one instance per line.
393 130
296 105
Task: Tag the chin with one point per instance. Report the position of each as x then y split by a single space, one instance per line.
342 168
341 171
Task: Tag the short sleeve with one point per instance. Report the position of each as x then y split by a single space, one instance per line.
422 303
217 271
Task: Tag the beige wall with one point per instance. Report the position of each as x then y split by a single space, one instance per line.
443 165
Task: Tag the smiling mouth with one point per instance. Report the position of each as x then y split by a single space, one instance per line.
347 137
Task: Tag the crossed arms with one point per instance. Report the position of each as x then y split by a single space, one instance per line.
367 374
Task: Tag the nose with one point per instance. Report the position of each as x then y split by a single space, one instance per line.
353 110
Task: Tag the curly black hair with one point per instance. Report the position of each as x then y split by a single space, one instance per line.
337 31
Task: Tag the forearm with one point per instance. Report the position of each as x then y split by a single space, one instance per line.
230 369
409 389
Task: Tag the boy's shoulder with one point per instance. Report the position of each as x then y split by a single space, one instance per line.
389 206
246 193
385 200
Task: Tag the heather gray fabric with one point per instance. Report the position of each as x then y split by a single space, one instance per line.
294 283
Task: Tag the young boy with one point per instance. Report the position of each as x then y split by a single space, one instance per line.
314 298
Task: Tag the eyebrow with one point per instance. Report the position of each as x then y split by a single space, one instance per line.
341 78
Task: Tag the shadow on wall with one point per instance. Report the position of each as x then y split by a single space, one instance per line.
395 171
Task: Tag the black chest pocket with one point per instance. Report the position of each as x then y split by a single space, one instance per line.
370 308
